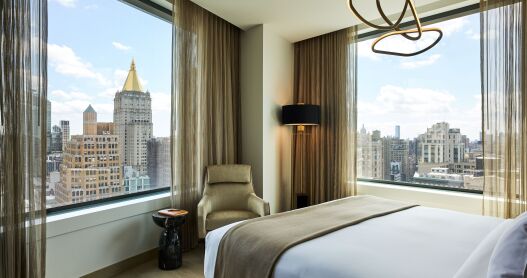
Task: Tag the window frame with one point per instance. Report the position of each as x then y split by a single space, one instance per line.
436 18
165 14
162 13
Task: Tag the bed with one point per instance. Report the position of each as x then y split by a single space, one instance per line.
414 242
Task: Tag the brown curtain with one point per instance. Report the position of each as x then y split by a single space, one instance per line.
324 158
205 103
23 27
504 104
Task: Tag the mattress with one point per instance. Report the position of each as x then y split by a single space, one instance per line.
417 242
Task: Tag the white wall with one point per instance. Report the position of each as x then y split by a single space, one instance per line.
267 85
277 91
251 84
87 240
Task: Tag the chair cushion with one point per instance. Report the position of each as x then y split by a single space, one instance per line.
221 218
235 173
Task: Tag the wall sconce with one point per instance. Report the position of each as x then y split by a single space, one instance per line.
300 115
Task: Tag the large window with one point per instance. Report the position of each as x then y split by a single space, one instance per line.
109 101
419 118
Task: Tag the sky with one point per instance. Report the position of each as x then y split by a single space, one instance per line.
92 42
90 46
442 84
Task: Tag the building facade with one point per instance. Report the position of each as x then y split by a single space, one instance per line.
396 154
55 145
48 126
91 165
159 163
441 144
370 155
132 117
65 127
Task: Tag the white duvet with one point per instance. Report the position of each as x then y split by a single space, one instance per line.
418 242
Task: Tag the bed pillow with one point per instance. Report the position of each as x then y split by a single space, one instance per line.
477 263
509 258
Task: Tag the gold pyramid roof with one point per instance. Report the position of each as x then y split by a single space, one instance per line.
132 81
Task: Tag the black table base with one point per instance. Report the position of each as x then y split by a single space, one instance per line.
170 256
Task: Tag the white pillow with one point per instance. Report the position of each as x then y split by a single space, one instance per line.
509 258
477 263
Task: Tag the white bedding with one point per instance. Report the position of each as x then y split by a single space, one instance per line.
418 242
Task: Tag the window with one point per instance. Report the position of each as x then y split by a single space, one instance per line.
419 118
109 83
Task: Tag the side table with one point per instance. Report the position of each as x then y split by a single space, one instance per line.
169 242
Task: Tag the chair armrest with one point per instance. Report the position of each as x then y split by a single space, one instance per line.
204 208
257 205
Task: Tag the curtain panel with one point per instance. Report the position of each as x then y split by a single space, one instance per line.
324 156
23 64
504 106
205 104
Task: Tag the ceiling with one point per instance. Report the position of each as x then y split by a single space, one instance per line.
297 20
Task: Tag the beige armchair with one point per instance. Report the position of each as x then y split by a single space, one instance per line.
228 197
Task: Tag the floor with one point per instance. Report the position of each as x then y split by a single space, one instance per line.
192 267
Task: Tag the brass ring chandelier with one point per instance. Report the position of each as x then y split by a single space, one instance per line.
395 29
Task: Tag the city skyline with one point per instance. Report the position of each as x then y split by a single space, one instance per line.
88 63
441 156
401 127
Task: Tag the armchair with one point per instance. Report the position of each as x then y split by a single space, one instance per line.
228 197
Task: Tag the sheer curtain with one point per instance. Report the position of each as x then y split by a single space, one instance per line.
324 158
205 103
23 25
504 96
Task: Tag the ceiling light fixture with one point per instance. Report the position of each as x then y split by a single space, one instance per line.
395 29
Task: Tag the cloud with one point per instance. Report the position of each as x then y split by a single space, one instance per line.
161 102
452 26
74 106
67 3
420 63
109 92
74 95
471 34
416 101
364 50
416 109
91 7
64 61
121 46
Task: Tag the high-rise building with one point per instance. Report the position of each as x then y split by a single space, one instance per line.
132 117
53 162
48 126
159 163
441 144
370 155
89 121
397 132
91 166
396 154
134 182
55 144
65 127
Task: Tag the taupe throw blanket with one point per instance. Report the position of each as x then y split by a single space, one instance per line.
252 248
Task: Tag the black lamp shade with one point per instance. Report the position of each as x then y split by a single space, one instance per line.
301 114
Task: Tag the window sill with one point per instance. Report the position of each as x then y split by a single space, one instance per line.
71 221
459 201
